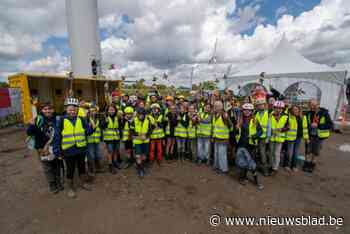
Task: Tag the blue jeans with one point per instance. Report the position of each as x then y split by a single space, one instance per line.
93 151
203 149
292 153
220 156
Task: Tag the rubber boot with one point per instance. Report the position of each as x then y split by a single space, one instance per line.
243 177
257 182
83 182
71 189
59 184
112 169
53 187
305 166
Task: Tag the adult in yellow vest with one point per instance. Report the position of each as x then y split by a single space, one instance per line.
111 136
192 131
141 129
181 131
93 143
279 127
262 119
204 133
127 137
248 131
221 136
70 143
298 130
82 111
158 134
320 125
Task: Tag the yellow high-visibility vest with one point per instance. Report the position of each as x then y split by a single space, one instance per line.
323 133
141 128
180 130
276 128
293 128
95 137
73 135
263 121
191 130
205 126
111 133
251 133
220 130
158 132
126 131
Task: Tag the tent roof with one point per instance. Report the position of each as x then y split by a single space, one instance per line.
284 59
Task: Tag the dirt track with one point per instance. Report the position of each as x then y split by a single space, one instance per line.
176 198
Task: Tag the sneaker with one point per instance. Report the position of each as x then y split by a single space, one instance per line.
295 169
288 169
71 193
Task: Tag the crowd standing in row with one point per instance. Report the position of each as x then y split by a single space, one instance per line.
259 134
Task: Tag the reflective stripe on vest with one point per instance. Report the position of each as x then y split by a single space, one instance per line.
180 130
263 121
141 128
191 130
305 129
111 133
157 133
205 125
276 128
323 133
126 131
220 130
95 137
73 135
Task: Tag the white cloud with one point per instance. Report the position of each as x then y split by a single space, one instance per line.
281 11
170 36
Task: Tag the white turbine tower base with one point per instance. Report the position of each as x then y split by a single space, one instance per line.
83 33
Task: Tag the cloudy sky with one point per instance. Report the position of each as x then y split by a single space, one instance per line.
147 38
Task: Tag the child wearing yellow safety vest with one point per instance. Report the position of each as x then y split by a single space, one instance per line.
158 134
70 143
171 122
127 136
298 130
204 132
111 136
181 131
279 127
93 143
221 136
141 129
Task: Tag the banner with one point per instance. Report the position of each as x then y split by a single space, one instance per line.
10 107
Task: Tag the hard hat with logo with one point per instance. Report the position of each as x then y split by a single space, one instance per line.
279 104
71 102
248 106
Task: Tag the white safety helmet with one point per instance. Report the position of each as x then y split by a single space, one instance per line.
133 98
279 104
248 106
71 102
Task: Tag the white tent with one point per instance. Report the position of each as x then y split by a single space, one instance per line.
287 68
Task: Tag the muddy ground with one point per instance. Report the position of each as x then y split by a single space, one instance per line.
174 198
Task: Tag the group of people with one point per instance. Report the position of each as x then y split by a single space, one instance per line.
258 134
